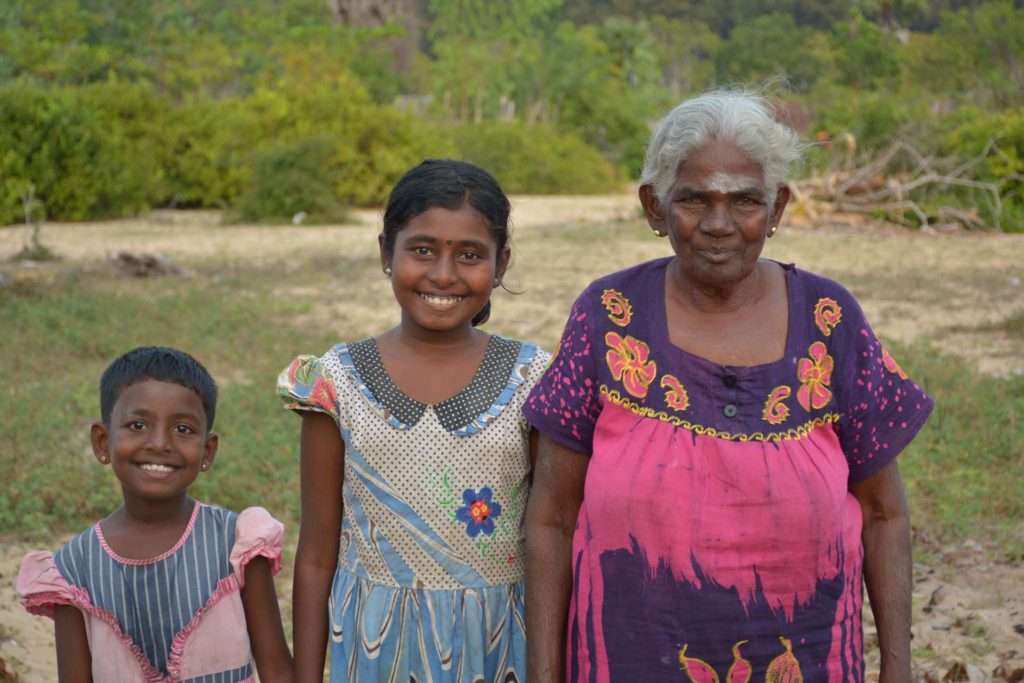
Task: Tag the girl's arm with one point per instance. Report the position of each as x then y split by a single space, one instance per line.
263 617
551 513
887 567
74 661
319 535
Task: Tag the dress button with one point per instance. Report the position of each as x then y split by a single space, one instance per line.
729 410
729 381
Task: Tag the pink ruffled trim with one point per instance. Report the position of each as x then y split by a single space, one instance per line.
152 560
257 534
225 587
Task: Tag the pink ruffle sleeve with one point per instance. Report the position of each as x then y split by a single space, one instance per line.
41 587
257 534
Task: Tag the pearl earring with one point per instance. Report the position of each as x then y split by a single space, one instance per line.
658 232
387 270
772 230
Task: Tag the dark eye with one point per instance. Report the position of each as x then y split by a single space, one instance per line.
747 201
469 255
184 429
136 425
690 202
421 251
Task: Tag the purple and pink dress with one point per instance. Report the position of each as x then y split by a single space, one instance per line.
717 539
173 618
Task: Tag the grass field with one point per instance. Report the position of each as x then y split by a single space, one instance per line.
252 298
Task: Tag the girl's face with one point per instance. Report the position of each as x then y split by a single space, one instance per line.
157 440
443 268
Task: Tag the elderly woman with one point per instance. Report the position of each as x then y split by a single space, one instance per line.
715 469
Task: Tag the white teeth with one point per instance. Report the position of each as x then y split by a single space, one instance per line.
441 300
153 467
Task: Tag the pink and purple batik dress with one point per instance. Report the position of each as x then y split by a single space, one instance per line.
718 539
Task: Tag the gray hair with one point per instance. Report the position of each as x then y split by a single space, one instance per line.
740 117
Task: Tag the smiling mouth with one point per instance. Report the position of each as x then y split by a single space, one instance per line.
155 468
441 301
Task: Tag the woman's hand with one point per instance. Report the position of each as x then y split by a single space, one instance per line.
316 558
887 567
555 498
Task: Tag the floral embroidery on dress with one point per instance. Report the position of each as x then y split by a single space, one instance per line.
478 511
676 397
628 360
891 365
827 314
775 411
815 375
620 311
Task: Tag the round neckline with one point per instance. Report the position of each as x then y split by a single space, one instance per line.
661 304
114 555
488 350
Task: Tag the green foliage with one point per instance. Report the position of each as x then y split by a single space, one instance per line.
536 159
866 56
770 46
289 181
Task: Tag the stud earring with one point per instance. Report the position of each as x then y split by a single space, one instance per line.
387 271
497 282
772 230
105 460
658 233
204 466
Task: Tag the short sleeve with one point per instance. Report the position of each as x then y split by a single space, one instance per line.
41 586
257 534
881 408
564 404
305 386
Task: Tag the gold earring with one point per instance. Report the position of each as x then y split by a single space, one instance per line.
772 230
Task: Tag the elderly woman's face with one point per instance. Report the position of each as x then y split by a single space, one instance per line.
717 214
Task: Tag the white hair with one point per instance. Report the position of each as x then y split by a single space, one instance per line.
736 116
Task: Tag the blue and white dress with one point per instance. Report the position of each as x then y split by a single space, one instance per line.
429 585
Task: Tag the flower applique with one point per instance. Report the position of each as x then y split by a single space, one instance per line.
628 360
815 375
891 365
827 314
676 397
478 511
620 311
775 410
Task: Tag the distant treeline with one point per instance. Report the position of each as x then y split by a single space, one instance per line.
268 108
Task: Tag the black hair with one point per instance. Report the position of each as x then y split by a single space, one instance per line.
448 184
162 364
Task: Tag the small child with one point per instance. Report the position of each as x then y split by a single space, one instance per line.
164 588
415 458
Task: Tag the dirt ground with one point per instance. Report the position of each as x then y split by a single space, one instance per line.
963 292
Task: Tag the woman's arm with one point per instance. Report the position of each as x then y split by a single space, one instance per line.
263 618
317 556
887 567
74 662
558 478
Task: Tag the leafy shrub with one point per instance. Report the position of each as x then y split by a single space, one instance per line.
536 159
78 157
289 180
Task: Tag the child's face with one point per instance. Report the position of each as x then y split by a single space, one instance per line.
443 268
157 440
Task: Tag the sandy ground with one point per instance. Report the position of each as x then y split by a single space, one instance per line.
960 291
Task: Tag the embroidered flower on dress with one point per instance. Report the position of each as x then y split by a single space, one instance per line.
815 375
478 511
827 314
628 360
891 365
676 397
620 311
775 411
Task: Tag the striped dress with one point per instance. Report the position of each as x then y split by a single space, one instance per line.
175 617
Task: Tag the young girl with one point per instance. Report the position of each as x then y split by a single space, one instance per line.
415 464
165 588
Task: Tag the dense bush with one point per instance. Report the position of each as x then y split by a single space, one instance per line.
291 183
536 159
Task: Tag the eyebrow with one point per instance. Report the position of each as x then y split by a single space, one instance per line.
143 412
690 191
428 239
